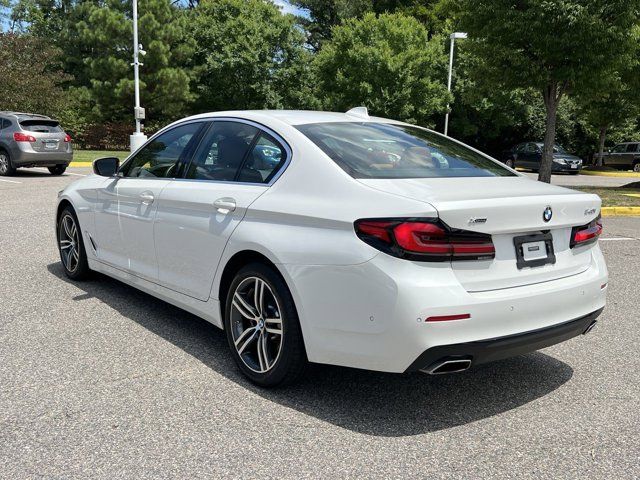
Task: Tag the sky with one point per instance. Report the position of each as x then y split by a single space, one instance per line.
286 7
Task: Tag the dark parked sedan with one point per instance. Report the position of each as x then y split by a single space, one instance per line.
529 155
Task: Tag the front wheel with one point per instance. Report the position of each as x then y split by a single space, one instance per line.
262 327
71 246
57 170
636 167
510 163
6 167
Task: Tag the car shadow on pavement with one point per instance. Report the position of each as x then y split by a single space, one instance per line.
371 403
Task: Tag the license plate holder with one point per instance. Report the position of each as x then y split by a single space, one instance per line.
534 250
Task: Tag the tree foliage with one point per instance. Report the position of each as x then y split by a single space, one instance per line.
553 47
249 55
31 75
386 63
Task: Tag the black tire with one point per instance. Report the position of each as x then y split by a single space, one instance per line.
636 166
6 166
290 360
510 163
76 268
57 170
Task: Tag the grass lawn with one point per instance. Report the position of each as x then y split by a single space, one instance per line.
91 155
615 196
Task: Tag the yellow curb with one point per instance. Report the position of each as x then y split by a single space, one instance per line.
81 164
635 195
610 174
620 211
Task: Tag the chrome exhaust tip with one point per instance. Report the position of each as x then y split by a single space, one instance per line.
443 367
590 327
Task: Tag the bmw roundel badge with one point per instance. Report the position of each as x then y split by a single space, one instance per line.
547 214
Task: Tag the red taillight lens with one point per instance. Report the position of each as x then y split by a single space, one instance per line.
67 138
586 234
424 240
23 137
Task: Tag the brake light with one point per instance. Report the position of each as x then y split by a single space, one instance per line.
67 138
586 234
23 137
428 240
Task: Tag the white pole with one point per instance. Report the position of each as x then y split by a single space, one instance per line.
136 72
446 117
138 138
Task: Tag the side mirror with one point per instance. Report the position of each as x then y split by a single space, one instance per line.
106 167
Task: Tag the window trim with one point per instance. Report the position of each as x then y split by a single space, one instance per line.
261 129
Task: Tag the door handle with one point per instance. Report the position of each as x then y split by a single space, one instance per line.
147 198
225 205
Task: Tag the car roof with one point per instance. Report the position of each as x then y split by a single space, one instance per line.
26 116
296 117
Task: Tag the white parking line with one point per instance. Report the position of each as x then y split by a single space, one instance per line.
613 239
10 181
66 173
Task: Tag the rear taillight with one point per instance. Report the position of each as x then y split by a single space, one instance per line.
23 137
426 240
586 234
67 138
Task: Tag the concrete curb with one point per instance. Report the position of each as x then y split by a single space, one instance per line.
620 211
610 174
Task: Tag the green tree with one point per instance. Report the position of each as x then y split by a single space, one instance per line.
553 47
386 63
612 100
31 75
97 44
249 55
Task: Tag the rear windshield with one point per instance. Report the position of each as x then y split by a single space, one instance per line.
382 150
44 126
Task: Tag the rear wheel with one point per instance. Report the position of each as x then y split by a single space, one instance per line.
262 327
57 170
6 167
510 163
636 166
71 246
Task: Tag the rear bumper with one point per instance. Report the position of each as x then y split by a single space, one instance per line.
45 159
488 350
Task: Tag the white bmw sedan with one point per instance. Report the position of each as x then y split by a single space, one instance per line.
340 238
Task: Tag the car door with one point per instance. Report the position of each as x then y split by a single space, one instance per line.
631 153
616 157
127 203
234 164
530 156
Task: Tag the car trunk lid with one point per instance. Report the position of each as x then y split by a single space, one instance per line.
506 208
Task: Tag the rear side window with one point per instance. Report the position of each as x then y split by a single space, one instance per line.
237 152
41 126
632 147
381 150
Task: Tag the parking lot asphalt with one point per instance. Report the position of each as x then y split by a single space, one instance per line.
567 180
98 380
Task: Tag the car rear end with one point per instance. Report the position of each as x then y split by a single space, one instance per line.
39 141
506 266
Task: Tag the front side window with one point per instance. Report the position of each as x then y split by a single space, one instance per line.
381 150
620 148
531 148
161 157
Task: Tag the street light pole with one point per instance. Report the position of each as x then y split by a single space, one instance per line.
453 37
138 138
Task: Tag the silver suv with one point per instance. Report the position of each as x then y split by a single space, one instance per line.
29 140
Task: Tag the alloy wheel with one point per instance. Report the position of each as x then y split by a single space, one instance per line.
4 163
636 168
256 324
69 243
